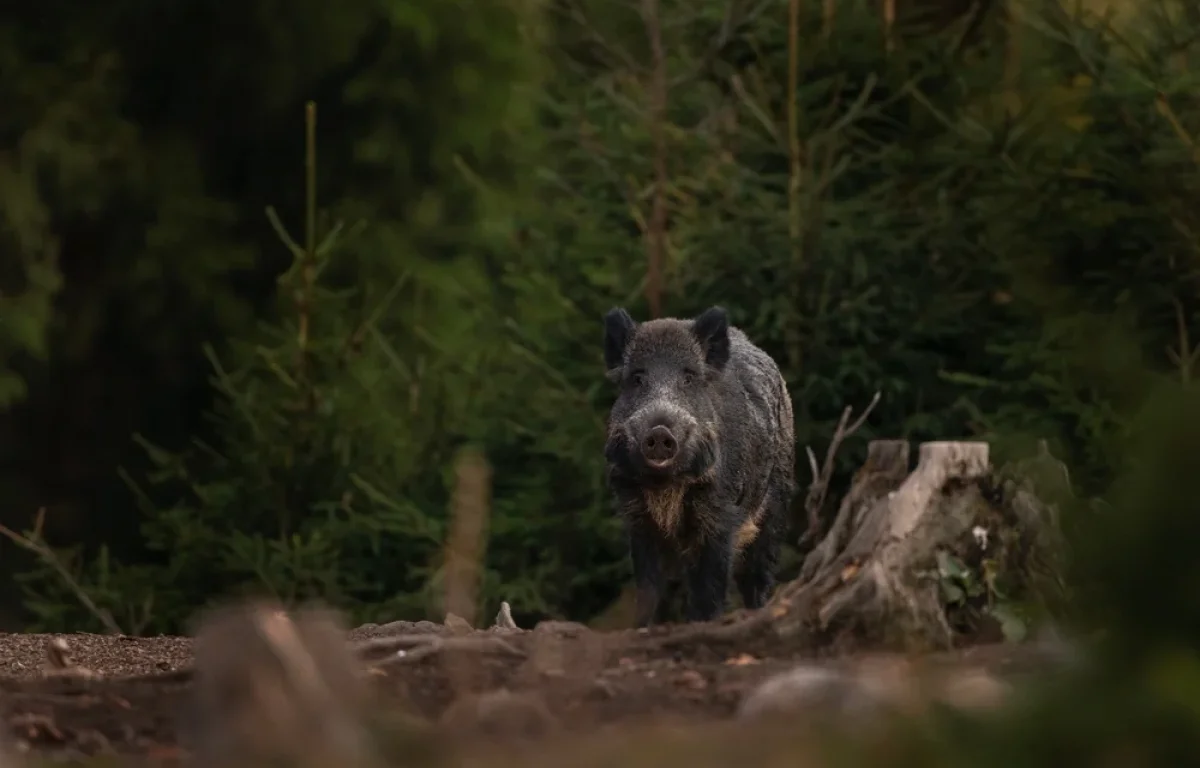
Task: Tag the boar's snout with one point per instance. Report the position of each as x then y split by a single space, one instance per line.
659 446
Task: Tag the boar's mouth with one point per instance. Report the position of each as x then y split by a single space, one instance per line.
647 468
663 470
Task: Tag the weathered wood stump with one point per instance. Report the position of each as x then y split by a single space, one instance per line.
864 581
882 473
875 579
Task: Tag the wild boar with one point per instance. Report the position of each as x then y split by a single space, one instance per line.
700 455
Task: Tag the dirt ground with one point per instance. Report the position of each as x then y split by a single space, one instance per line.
130 697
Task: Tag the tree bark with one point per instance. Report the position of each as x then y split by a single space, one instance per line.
883 472
863 583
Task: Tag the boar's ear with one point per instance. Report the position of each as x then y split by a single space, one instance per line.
618 329
712 329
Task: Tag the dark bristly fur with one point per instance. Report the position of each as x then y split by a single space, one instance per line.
713 408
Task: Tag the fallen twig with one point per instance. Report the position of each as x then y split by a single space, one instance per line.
734 633
393 643
38 546
819 488
442 644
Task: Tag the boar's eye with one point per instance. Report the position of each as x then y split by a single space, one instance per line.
637 378
690 377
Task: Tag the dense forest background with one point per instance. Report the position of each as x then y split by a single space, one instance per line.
985 211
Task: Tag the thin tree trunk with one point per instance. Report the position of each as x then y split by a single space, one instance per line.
656 231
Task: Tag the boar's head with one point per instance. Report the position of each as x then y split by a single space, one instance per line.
663 425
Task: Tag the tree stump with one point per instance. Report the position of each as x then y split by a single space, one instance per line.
883 472
865 581
913 561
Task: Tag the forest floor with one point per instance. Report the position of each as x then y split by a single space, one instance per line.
127 694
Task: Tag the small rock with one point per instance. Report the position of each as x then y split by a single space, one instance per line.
59 660
973 689
811 690
58 653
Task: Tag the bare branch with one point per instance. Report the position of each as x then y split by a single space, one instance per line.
863 418
819 488
39 547
1187 354
282 232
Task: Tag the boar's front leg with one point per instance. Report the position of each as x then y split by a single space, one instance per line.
647 573
756 576
708 574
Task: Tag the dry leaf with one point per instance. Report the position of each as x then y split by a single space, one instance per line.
741 661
